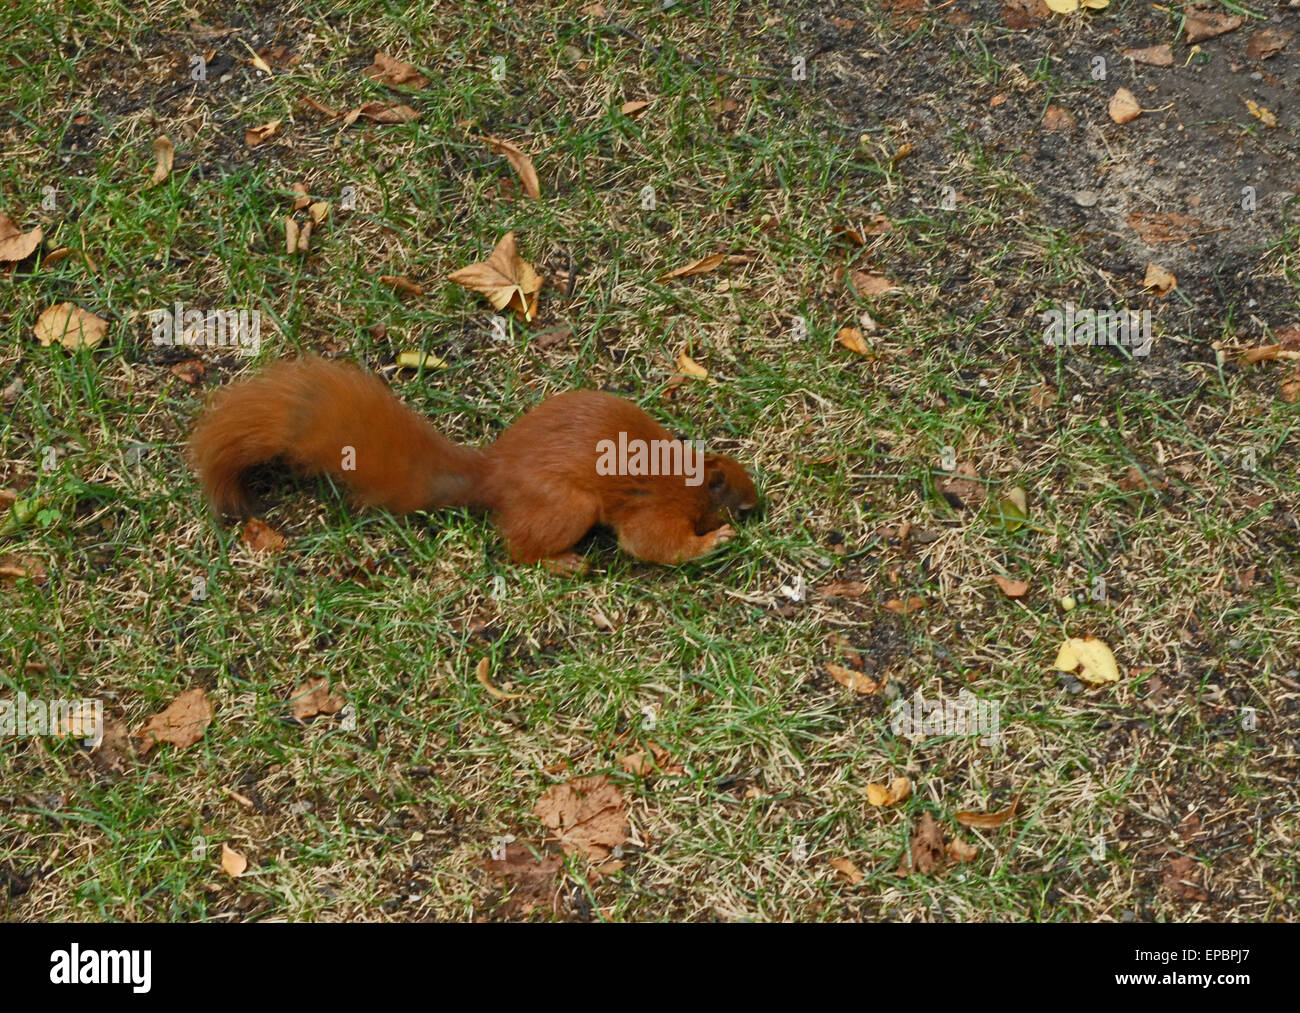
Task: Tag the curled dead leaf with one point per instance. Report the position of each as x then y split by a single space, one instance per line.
16 245
388 70
255 136
1011 588
701 266
401 283
164 155
482 673
847 871
1124 108
233 864
261 537
181 724
899 789
313 698
856 681
521 163
505 278
1158 280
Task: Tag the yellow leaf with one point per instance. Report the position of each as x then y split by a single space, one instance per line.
1091 656
505 278
233 864
851 338
899 789
415 360
1063 6
1261 114
691 368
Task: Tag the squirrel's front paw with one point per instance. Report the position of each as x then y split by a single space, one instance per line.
720 536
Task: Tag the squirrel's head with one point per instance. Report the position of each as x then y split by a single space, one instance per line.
731 490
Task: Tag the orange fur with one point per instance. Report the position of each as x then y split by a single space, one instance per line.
539 480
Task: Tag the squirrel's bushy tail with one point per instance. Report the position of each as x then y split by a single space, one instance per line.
328 417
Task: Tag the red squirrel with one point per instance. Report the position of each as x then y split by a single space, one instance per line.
546 480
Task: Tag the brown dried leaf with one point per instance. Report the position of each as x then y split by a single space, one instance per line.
1021 14
70 326
505 278
927 847
1152 56
1203 23
847 870
1058 118
650 761
313 698
634 108
844 589
191 371
1182 878
380 112
255 136
1266 44
233 864
1165 228
390 71
701 266
261 537
182 724
1011 588
852 339
959 851
588 815
872 284
401 283
482 673
1159 280
522 164
913 604
535 882
988 821
1124 108
863 684
165 155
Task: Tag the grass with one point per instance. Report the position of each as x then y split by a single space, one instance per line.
388 813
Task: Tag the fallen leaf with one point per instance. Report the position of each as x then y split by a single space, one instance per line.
1203 24
847 870
1155 228
633 108
1093 659
1021 14
191 371
701 266
588 815
290 236
402 284
988 821
12 568
1124 107
1266 44
319 211
926 847
649 761
855 681
964 486
182 724
301 197
1264 115
959 851
420 360
505 278
534 882
1264 353
522 164
1057 118
313 698
1289 390
1152 56
1159 280
165 154
1013 509
482 672
1011 588
872 284
255 136
844 589
261 537
320 107
70 326
380 112
851 338
233 864
690 367
1182 878
899 788
913 604
390 71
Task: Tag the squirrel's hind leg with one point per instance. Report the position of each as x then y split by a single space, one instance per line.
542 529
